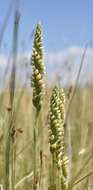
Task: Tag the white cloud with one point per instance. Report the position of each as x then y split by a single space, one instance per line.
68 62
65 62
61 56
2 60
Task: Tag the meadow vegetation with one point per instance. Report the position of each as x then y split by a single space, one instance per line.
46 131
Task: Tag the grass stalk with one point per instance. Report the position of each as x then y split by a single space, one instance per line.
10 153
54 169
35 137
81 179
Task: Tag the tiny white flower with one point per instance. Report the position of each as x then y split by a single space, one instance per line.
82 151
1 187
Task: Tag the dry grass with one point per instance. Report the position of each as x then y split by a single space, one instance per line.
25 164
80 123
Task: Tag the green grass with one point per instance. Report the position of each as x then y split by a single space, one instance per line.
80 123
25 159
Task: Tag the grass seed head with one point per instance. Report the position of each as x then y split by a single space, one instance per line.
38 69
56 120
56 134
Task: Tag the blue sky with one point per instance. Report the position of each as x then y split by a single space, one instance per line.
65 23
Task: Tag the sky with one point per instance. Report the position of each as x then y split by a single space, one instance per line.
65 23
67 28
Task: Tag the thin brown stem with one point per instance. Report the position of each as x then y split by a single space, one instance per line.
81 179
76 83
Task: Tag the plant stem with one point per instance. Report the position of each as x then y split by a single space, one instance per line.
35 130
54 172
10 152
81 179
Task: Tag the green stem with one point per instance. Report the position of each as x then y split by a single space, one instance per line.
58 180
12 164
54 172
34 139
7 165
7 154
35 152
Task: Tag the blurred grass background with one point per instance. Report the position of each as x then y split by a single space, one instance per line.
79 123
79 130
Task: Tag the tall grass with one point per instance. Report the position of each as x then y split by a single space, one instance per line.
38 86
10 142
47 142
